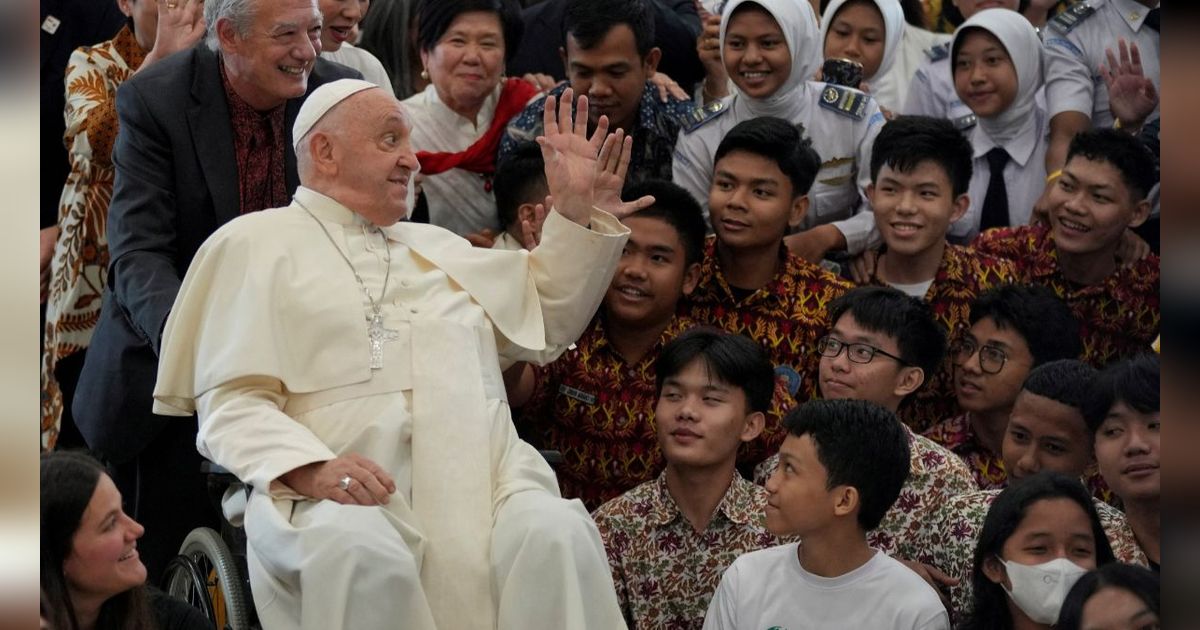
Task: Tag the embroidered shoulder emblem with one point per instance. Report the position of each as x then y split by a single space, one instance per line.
1066 21
703 114
939 52
845 101
791 378
964 123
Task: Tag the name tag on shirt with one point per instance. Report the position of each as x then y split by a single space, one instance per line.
577 394
51 24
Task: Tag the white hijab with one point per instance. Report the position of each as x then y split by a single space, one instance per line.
799 25
1025 49
893 27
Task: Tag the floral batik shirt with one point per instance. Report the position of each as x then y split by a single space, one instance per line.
664 570
597 409
957 435
1118 317
79 267
935 475
951 529
787 316
962 276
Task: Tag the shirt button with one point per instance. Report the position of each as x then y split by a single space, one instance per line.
404 283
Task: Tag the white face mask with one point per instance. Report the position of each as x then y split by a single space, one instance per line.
1039 590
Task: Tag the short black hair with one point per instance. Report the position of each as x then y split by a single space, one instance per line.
990 610
1134 381
520 178
1140 581
589 21
908 320
1126 153
1035 312
907 141
676 207
860 444
779 141
1066 381
731 359
434 18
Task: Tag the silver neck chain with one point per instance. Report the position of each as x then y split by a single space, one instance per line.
375 306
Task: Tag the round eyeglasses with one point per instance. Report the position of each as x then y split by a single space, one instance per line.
991 358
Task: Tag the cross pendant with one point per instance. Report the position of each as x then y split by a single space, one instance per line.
379 336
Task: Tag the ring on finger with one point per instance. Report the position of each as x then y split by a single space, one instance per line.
344 483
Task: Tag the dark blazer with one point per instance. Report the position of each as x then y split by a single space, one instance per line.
176 183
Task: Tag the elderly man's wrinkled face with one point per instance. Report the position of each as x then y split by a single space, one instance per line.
375 161
270 63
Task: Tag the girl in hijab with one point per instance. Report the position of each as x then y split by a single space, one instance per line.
931 90
869 32
770 50
996 58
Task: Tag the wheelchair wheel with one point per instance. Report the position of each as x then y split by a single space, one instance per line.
206 575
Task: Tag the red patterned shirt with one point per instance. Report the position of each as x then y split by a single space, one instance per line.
664 570
958 435
787 316
598 411
962 276
258 146
1118 317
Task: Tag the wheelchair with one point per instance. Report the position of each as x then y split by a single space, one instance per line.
210 571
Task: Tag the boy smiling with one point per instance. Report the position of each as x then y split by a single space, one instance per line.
920 171
749 283
1102 192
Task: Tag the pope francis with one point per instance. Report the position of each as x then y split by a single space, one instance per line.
347 365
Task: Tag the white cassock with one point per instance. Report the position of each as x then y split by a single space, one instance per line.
268 343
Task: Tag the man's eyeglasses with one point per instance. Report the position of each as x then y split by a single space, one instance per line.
857 352
991 358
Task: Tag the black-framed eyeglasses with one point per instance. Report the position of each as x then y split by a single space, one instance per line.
991 358
857 352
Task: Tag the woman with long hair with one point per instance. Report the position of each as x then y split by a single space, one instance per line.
92 576
1039 537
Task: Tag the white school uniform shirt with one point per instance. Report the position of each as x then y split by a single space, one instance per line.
915 53
841 136
931 91
1021 130
1075 42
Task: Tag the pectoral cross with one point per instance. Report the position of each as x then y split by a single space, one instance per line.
379 336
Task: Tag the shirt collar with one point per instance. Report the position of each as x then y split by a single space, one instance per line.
327 208
1132 13
451 117
739 504
1020 148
